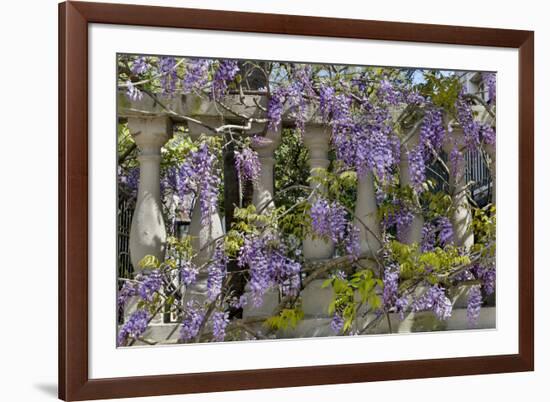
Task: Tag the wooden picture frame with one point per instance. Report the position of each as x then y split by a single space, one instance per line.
74 381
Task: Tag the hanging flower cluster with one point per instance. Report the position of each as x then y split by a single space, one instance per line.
134 327
247 164
435 300
268 266
329 219
196 75
199 173
226 72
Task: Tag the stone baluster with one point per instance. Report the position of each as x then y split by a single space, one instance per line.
202 235
262 197
316 139
414 231
147 232
461 217
366 214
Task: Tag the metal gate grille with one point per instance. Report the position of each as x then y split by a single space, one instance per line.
478 173
124 220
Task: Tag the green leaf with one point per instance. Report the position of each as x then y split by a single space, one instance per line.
326 283
149 262
374 301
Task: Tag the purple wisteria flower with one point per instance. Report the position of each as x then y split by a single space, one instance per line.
413 97
391 283
169 76
130 181
432 134
466 119
326 96
297 105
363 140
220 320
149 284
247 165
344 133
170 180
388 93
191 323
401 305
293 95
217 270
329 220
188 272
302 75
268 266
339 274
320 209
381 145
127 291
428 237
226 72
253 254
417 168
434 300
132 92
446 232
400 216
275 107
474 305
488 134
140 65
457 161
300 87
199 172
490 82
134 327
391 301
474 131
196 75
462 276
487 275
337 323
432 131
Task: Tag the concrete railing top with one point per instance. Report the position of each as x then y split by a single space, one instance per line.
233 108
236 109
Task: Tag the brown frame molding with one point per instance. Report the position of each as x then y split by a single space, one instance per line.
74 17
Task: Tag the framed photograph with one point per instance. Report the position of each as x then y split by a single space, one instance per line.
260 200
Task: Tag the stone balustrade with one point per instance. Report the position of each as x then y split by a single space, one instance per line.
150 125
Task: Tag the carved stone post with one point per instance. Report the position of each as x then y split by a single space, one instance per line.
202 235
147 232
262 197
316 139
461 217
414 231
366 214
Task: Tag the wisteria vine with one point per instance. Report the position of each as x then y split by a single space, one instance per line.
409 130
